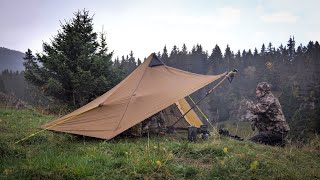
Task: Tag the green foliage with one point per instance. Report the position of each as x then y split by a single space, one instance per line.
293 74
76 66
64 156
2 87
128 64
165 55
15 84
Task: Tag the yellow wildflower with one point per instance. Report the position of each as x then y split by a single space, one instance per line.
222 162
225 149
254 165
158 163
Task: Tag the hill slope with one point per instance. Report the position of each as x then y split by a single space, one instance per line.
11 59
62 156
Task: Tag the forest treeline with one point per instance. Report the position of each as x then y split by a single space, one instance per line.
76 67
292 71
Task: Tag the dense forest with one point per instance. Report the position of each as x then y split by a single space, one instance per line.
77 67
293 72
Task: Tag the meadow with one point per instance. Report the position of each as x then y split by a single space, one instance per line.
51 155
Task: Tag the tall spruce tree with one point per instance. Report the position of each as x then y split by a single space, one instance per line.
215 59
75 67
139 62
32 69
165 56
227 56
270 49
263 50
291 48
184 50
255 53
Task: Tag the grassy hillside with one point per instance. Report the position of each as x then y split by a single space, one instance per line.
62 156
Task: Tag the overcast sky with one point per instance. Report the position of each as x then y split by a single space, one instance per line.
146 26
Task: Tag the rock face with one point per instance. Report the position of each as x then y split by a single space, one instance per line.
11 101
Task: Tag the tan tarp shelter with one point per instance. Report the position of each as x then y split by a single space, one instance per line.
151 87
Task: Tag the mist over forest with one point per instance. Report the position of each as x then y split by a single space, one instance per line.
11 59
292 70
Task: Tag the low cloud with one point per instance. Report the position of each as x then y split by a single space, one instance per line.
222 17
279 17
313 36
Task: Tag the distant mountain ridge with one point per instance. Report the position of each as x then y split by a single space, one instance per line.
11 59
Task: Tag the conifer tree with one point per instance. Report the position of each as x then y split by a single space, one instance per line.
139 62
199 49
227 56
291 48
132 62
184 50
75 67
218 53
165 56
174 52
270 49
215 58
255 53
33 72
117 63
263 50
238 55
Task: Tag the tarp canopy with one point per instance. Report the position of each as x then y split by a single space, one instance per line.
151 87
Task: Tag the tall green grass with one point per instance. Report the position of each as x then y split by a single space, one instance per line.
63 156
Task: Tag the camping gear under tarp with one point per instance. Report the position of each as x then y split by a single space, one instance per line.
151 87
170 115
191 117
